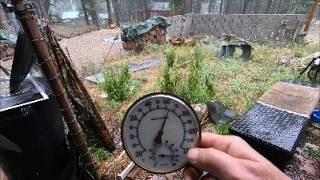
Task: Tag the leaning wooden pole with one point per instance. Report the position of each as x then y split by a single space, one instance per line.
311 15
24 12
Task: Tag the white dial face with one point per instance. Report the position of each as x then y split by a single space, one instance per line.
157 132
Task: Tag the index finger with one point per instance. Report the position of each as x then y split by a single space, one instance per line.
232 145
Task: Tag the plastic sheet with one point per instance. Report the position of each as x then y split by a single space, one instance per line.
131 32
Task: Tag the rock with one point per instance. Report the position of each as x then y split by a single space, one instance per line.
284 60
104 96
316 125
299 150
158 177
220 114
200 109
312 146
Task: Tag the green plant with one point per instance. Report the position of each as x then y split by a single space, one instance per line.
170 57
198 86
119 116
315 153
170 79
223 128
111 104
119 86
100 153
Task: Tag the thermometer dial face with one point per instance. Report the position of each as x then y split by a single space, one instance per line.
158 130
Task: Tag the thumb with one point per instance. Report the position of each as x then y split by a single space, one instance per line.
214 161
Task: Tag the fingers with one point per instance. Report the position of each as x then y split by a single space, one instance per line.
191 173
213 161
232 145
209 177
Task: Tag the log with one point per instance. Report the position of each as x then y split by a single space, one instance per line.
125 172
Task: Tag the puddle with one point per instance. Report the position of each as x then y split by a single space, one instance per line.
110 40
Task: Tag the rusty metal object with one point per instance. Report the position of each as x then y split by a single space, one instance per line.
24 12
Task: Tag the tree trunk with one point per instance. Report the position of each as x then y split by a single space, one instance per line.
198 6
109 9
115 6
3 19
212 3
228 5
268 7
221 6
44 13
94 13
245 6
85 12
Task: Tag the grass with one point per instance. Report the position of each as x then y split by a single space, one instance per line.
315 153
222 128
100 153
235 83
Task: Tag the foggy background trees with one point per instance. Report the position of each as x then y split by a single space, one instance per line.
107 12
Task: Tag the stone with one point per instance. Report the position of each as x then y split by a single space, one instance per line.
103 95
200 109
220 114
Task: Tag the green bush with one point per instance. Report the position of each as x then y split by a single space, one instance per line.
119 86
170 79
196 87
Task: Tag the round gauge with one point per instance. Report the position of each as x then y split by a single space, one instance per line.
157 131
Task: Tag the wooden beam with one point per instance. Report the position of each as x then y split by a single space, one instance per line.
311 15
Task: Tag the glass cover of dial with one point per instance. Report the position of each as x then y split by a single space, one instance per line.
157 132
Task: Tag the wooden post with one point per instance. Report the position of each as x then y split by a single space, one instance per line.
311 15
24 12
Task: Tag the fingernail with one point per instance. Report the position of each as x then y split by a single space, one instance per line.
193 154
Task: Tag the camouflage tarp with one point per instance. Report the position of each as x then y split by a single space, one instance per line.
131 32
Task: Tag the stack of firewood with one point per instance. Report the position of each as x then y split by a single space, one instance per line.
156 36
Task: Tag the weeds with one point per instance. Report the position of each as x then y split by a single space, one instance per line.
100 153
315 153
111 104
119 116
222 128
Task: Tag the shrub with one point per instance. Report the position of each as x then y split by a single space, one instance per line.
196 87
119 86
170 79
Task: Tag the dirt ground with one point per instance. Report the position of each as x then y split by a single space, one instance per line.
90 48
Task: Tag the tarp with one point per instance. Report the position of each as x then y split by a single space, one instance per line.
131 32
7 37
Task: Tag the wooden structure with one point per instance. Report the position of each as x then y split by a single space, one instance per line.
156 36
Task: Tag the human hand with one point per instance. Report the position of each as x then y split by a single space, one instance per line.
228 157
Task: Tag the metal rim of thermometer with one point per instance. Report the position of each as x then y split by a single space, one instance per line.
157 131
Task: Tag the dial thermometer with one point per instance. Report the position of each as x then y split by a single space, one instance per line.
157 131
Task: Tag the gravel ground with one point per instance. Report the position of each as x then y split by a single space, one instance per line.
90 47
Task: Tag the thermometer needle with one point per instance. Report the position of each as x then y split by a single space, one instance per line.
158 139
